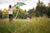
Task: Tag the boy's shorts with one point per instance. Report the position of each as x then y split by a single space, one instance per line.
28 19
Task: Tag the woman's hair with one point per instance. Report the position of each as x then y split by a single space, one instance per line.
10 6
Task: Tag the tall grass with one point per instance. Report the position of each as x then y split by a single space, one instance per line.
36 25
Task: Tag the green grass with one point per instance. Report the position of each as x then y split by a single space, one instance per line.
36 25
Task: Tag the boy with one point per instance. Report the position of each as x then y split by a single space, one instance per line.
28 17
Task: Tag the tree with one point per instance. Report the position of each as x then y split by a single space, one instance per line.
32 12
37 11
48 12
21 13
40 10
5 13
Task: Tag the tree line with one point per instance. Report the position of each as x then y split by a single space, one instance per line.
34 12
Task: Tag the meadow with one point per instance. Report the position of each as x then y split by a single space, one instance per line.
36 25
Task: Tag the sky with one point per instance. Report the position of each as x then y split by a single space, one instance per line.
29 3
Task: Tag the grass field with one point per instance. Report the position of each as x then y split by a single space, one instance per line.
36 25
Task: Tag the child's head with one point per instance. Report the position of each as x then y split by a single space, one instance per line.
10 6
27 13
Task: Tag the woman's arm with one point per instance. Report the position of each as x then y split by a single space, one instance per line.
13 6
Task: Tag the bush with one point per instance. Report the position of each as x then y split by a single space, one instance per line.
0 14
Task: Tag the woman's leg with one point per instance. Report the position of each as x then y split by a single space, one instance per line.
11 17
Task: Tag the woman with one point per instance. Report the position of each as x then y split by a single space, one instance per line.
10 13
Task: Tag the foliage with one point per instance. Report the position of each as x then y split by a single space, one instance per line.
41 10
32 12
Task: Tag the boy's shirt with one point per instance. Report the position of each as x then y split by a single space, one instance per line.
28 16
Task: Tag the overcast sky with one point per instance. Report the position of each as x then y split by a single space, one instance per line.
29 3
